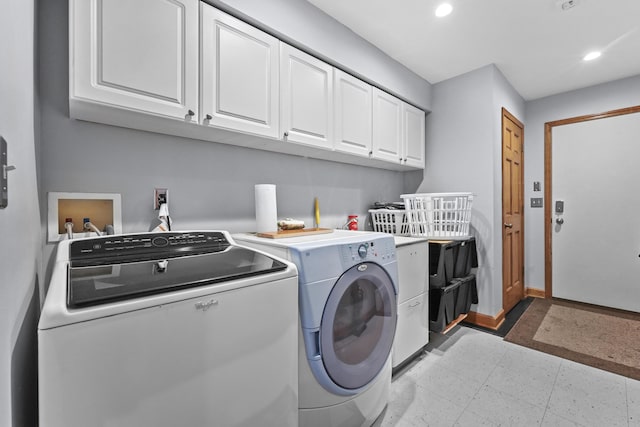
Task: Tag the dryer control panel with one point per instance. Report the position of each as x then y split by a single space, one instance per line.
379 250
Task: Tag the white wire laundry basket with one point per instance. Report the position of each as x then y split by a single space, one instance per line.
444 216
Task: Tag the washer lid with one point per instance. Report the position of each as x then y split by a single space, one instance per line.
101 284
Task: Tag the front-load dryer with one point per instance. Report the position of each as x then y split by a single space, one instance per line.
348 313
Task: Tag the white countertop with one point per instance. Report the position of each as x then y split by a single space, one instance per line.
406 240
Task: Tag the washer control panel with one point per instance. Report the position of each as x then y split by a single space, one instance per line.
145 246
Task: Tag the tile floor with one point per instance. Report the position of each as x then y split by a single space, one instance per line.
472 378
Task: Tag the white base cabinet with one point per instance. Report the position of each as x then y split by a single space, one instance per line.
412 330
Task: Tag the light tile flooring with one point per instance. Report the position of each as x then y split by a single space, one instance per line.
472 378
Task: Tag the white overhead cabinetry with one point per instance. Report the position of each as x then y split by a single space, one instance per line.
184 68
140 56
352 107
306 95
239 75
398 131
413 136
387 127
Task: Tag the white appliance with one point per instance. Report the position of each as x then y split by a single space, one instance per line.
348 313
412 332
168 329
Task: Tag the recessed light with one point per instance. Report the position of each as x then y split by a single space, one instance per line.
443 10
591 56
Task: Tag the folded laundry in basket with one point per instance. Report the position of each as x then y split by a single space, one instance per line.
388 205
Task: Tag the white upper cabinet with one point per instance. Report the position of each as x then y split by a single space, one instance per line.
352 118
387 127
239 78
413 136
140 55
306 98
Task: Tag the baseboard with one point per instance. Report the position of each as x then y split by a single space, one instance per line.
534 292
484 320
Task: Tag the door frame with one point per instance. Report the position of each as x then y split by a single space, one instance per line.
548 197
508 115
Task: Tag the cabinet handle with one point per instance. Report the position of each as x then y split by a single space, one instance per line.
286 135
208 117
191 113
370 153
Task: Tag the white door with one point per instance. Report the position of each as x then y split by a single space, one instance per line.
595 249
306 88
141 55
352 114
413 121
387 126
239 75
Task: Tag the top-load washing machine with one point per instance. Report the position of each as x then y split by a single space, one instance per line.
348 313
168 329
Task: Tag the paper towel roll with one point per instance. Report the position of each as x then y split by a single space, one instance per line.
266 208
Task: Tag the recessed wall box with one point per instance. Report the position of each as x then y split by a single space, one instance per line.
101 208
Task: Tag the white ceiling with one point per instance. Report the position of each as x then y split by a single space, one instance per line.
537 46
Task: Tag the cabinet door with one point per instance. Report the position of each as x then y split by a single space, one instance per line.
412 331
239 75
353 112
306 88
141 55
413 121
387 126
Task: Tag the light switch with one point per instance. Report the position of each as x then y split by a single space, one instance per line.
536 186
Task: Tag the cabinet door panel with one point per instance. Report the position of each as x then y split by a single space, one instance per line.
239 75
352 114
307 98
387 126
414 136
141 55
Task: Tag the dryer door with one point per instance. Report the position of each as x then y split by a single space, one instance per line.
358 326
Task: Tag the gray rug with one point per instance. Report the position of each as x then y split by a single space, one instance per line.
601 337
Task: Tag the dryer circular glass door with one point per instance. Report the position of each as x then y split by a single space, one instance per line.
358 325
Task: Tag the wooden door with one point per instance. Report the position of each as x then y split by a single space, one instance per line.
240 87
512 211
139 55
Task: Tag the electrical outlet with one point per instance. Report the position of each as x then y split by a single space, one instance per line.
536 202
160 196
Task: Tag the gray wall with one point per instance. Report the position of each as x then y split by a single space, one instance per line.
596 99
19 222
210 185
464 154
